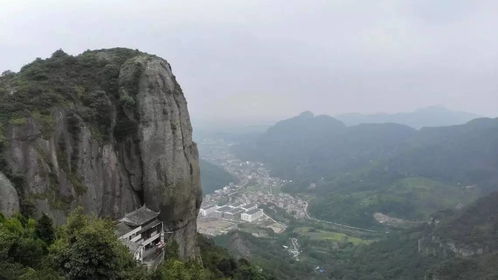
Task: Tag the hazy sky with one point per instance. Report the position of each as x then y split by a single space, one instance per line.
267 59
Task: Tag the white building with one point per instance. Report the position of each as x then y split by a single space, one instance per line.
235 213
220 212
249 207
236 205
208 209
252 215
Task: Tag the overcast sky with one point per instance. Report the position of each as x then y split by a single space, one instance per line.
261 60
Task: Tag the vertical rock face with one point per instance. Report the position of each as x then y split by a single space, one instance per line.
9 202
120 138
170 158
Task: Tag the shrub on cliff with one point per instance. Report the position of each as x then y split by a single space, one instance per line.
22 250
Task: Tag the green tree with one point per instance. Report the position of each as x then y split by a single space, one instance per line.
44 274
87 248
174 269
20 248
247 271
45 229
19 242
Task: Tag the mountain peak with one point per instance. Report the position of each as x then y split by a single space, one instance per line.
424 117
306 114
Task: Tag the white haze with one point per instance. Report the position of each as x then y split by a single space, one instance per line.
259 60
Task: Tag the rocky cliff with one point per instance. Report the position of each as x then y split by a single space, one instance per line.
465 241
471 231
107 130
9 201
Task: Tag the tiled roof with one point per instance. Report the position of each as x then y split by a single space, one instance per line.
207 206
224 209
139 217
253 211
149 226
237 204
122 229
235 211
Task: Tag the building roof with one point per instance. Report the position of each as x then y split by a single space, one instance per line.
235 211
149 226
237 204
122 229
208 206
139 217
252 205
224 209
253 211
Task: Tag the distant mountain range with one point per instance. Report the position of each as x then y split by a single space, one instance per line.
389 168
424 117
443 178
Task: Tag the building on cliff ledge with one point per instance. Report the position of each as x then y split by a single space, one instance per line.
142 232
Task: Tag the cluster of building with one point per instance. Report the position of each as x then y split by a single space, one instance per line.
227 190
222 210
294 206
234 211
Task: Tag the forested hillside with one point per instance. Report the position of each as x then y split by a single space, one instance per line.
387 168
213 177
454 245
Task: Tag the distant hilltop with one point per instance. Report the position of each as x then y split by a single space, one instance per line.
424 117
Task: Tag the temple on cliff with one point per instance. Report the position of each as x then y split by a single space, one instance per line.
142 233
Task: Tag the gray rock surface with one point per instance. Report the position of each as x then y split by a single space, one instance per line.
147 157
9 201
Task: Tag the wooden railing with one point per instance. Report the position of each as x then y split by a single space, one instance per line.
154 236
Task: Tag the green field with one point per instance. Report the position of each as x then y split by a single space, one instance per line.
411 198
318 234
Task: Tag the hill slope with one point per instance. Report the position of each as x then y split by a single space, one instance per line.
457 245
213 177
389 168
